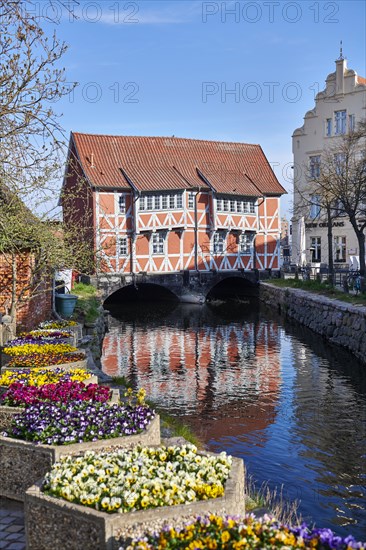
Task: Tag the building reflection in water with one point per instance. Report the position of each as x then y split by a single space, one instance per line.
259 388
223 377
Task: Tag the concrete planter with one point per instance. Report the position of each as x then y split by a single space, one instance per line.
7 413
91 380
61 525
24 462
76 333
65 366
72 341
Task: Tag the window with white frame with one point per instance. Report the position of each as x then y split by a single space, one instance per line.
328 127
219 242
163 201
339 160
235 205
190 199
340 120
315 166
351 123
158 242
246 243
123 246
156 202
122 204
315 207
340 249
315 249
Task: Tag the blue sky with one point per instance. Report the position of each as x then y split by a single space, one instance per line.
167 67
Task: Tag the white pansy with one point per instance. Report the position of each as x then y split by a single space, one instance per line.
138 478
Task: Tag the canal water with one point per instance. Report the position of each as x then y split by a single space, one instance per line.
262 389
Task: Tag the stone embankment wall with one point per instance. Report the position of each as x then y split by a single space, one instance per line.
338 322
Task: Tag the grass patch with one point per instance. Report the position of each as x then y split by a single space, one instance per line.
273 501
179 429
317 287
88 303
176 426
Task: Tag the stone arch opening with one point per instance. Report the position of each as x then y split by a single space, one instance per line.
233 288
140 293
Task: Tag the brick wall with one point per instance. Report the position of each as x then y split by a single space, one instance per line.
33 310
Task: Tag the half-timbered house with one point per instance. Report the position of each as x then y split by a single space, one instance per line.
159 205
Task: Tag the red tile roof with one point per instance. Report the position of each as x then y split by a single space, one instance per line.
361 80
159 163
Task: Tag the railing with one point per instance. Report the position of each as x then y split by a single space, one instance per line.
344 278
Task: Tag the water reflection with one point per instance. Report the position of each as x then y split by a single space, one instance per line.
270 393
193 363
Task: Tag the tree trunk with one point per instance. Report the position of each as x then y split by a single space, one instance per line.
13 302
330 247
361 246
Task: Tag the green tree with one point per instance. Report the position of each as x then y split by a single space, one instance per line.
343 179
32 149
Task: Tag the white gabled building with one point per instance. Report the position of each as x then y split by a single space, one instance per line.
338 109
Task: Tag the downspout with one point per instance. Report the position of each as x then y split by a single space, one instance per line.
135 197
134 231
196 231
255 236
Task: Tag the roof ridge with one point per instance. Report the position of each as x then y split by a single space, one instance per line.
165 137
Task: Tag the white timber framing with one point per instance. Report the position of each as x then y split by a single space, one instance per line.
116 224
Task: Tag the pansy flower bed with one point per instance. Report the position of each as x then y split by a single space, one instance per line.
49 334
36 337
57 324
19 394
39 376
43 360
216 532
77 422
38 348
140 478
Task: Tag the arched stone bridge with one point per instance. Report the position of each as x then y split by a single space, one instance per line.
187 286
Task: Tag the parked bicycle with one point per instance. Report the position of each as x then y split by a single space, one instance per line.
305 272
354 281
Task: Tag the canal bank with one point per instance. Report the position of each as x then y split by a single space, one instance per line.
336 321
